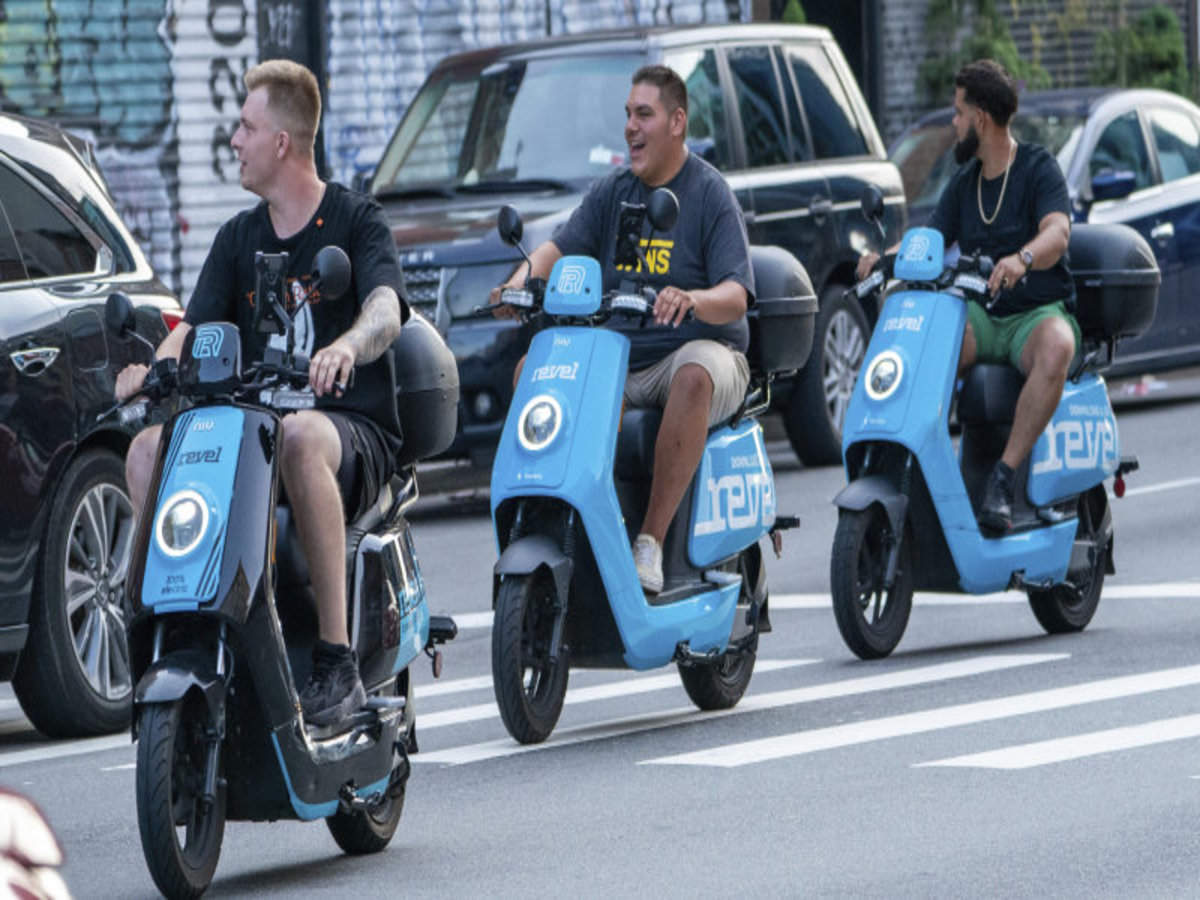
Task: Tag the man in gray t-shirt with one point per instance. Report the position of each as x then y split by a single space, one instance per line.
694 368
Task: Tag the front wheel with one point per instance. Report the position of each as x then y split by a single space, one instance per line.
181 829
1066 608
529 685
871 616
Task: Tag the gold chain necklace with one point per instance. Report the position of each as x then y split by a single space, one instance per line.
1003 186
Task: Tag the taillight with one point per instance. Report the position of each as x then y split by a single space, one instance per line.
171 318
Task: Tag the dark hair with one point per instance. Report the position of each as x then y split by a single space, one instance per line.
986 84
670 86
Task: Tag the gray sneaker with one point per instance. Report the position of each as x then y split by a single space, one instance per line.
334 691
647 556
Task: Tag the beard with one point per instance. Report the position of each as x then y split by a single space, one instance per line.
967 147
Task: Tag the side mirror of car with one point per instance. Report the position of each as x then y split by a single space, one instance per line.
662 209
872 204
1113 184
508 223
118 313
332 270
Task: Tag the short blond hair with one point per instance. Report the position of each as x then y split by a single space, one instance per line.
292 95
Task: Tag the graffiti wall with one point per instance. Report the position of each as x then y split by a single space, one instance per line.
156 85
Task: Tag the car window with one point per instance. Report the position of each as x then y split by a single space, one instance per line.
801 149
764 125
925 158
834 129
11 267
50 245
708 132
1122 147
1177 140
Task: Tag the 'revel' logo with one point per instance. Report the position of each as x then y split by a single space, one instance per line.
207 344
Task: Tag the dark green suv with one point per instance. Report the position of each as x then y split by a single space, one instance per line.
773 107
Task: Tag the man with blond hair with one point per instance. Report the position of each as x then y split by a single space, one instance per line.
333 457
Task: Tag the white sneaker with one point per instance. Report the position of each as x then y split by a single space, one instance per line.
647 556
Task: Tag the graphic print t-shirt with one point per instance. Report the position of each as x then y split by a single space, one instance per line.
708 245
225 289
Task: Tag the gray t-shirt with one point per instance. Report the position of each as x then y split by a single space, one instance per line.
708 245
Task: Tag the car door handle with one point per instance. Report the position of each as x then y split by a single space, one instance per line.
820 206
33 361
748 217
1162 231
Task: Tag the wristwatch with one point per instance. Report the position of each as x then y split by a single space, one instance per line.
1026 257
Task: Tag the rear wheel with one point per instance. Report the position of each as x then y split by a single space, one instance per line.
1066 608
817 407
870 616
368 830
181 830
529 686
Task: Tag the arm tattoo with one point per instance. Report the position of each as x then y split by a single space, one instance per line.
377 325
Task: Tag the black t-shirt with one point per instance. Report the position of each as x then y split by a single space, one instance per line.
707 246
225 289
1036 188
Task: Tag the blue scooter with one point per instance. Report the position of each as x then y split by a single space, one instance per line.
571 480
907 518
221 626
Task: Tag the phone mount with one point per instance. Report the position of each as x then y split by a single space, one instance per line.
662 211
270 282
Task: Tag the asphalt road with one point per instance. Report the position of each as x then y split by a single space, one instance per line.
983 758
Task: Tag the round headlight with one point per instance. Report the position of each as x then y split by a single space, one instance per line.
181 523
884 374
539 422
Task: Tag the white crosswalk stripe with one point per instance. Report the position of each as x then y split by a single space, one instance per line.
754 702
802 742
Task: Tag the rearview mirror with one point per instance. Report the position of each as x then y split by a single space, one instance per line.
332 270
508 223
872 203
1113 184
118 313
663 209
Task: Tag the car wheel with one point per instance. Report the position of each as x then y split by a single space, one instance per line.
73 677
817 407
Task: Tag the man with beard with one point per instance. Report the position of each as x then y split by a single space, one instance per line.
1009 201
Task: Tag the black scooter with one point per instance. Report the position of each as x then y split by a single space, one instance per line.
220 634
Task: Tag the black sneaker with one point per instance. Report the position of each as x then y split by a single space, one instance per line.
995 513
334 690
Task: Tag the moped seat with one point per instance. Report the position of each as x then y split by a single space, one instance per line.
989 394
635 444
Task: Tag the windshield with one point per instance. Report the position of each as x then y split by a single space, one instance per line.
539 120
926 156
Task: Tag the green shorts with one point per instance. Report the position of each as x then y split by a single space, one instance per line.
1001 339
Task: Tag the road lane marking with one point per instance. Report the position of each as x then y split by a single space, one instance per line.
978 665
455 686
626 687
802 742
1162 486
1041 753
68 748
1168 590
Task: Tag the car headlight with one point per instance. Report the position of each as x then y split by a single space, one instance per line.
884 374
539 422
181 523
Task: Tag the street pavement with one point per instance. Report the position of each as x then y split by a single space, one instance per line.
983 758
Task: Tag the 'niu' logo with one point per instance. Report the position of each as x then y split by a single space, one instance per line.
208 343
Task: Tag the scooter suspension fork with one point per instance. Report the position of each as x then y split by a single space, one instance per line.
215 733
893 561
560 603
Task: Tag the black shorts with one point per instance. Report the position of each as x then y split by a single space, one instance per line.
366 463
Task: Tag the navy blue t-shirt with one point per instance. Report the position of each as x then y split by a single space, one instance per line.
707 246
350 220
1035 189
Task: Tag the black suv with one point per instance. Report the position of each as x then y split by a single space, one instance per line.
773 107
66 526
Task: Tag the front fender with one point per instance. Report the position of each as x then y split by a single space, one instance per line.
177 673
861 493
526 555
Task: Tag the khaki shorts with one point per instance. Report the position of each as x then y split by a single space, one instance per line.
1002 339
728 369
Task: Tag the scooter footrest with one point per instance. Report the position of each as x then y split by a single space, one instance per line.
1127 464
442 629
783 523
